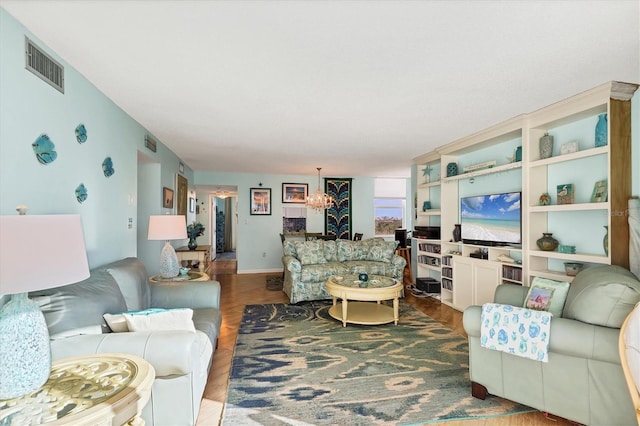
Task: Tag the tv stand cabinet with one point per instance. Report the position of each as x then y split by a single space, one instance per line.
513 148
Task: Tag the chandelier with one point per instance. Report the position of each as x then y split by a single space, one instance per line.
319 200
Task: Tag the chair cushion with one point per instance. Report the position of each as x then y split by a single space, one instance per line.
330 250
352 250
321 272
382 251
289 248
602 296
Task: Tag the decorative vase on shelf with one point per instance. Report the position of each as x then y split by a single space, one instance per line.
605 241
601 130
546 146
192 244
457 232
452 169
518 155
547 242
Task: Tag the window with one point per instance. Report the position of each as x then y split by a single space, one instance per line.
389 215
389 205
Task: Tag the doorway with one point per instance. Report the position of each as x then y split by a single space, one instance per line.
224 220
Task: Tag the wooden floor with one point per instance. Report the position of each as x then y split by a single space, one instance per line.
247 289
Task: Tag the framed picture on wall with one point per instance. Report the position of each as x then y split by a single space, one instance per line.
192 205
182 186
167 198
295 192
260 199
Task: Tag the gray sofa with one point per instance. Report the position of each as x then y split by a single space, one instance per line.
308 264
583 380
181 359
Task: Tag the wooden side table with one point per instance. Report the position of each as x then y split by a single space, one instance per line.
405 252
101 389
201 255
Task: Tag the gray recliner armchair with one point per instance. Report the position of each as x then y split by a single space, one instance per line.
583 380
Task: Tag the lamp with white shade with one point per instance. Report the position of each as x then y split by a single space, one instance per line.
37 252
168 227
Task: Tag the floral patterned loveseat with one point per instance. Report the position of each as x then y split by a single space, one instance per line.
308 264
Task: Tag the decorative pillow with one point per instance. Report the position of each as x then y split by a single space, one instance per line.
547 295
310 252
151 319
382 251
330 251
352 250
289 248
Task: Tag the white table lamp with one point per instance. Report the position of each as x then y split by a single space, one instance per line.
168 227
37 252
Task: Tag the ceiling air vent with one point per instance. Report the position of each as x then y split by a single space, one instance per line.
43 65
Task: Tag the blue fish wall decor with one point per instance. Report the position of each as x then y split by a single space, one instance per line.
44 149
107 167
81 193
81 133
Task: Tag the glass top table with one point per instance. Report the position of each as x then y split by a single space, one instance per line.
362 311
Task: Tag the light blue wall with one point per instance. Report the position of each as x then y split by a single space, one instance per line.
258 243
30 107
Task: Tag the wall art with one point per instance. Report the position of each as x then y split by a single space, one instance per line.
81 193
107 167
167 198
337 218
81 133
192 205
565 193
260 199
182 186
44 149
600 192
295 192
150 143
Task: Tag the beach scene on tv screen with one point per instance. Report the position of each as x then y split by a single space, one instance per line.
491 217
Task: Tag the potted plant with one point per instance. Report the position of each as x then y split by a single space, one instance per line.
194 230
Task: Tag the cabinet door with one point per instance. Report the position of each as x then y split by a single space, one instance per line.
486 277
462 282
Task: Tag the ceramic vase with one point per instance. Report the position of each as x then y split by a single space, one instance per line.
546 146
452 169
457 232
601 130
547 242
518 156
605 241
192 244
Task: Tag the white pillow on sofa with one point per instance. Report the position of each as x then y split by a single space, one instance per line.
151 319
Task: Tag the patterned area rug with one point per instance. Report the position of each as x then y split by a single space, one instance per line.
293 364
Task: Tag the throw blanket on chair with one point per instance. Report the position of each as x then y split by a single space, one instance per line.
518 331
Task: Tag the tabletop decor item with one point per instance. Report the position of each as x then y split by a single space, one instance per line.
363 277
562 248
600 192
518 155
565 193
605 241
426 206
572 268
569 148
545 199
24 337
547 242
194 230
601 130
452 169
546 146
457 232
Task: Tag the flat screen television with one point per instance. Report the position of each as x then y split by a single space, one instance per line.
491 220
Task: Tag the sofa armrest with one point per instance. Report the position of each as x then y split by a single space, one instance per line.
291 263
169 352
510 294
194 295
567 337
399 262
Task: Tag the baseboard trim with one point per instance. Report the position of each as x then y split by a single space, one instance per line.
260 271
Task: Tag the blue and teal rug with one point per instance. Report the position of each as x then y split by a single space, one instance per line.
295 365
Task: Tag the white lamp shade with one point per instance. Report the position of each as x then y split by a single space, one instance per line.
41 251
167 227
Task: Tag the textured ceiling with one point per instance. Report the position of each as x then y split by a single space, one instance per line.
358 88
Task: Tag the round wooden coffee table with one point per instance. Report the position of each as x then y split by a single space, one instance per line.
362 310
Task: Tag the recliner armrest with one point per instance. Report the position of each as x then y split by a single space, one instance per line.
171 353
194 295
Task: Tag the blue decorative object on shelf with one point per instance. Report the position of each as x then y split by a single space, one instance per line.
452 169
44 149
107 167
81 193
363 277
81 133
519 153
426 206
26 352
601 130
